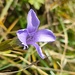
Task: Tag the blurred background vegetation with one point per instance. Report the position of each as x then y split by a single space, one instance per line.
57 15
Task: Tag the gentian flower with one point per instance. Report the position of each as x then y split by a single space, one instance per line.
31 35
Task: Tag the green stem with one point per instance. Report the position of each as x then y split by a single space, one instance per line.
5 10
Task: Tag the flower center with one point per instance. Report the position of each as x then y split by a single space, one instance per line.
29 38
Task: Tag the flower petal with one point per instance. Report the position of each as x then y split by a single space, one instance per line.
33 21
44 35
39 51
22 35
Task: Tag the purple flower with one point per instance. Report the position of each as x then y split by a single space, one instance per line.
31 35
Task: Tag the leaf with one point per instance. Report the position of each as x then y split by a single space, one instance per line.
37 3
31 2
41 1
